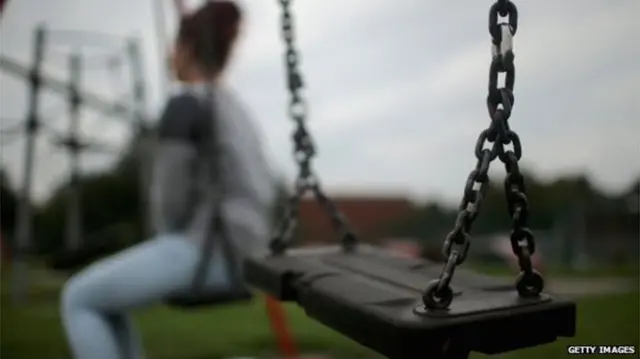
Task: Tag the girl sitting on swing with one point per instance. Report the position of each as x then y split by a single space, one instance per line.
97 301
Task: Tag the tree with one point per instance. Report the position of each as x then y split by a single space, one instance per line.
8 205
548 203
111 211
429 223
110 199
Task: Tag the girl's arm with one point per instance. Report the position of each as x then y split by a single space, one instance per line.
183 128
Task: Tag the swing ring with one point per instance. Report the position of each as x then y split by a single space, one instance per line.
530 285
437 299
277 246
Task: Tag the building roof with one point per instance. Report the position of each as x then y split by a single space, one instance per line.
369 216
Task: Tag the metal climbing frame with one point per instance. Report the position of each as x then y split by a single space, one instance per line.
37 79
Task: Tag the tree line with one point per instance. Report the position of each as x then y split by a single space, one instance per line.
111 212
551 203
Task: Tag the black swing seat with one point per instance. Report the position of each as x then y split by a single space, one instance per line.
193 301
374 298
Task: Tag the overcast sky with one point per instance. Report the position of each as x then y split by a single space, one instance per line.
396 88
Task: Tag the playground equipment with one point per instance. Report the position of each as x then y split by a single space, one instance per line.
34 125
379 299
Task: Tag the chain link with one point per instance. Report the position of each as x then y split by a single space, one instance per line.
500 100
304 151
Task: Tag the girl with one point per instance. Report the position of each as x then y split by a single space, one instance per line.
192 138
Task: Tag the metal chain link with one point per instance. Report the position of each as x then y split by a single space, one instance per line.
438 294
304 151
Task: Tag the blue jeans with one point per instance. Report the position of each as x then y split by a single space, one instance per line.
97 301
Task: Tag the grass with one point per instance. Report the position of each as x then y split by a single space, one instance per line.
34 331
630 270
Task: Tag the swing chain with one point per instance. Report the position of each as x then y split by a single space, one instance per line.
438 294
304 151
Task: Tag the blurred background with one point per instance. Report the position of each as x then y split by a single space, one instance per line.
396 95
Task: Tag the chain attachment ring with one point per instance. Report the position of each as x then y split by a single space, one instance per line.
529 285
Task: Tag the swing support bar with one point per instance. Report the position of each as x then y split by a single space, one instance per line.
280 327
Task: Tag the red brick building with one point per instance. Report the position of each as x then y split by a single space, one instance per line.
370 217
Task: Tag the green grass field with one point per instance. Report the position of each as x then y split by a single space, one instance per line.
34 331
629 270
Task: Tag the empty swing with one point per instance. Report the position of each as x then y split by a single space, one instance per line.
379 299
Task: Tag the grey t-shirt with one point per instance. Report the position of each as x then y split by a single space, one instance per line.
209 156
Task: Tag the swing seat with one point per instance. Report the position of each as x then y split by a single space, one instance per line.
208 299
374 297
236 293
202 296
212 299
